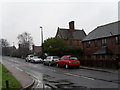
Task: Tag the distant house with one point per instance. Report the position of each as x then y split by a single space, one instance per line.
23 50
103 42
71 36
9 51
37 50
12 50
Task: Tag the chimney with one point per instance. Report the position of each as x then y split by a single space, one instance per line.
19 45
71 25
33 47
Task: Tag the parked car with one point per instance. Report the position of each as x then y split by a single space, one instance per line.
68 61
36 59
28 58
51 60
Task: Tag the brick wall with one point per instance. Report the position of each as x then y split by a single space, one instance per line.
77 43
111 45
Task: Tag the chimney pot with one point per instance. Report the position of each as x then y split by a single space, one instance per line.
71 25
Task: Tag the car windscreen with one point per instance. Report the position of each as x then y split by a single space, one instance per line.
48 57
35 56
64 58
73 58
55 57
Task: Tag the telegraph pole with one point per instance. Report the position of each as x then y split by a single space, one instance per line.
41 28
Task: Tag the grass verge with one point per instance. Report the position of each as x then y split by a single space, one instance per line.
6 75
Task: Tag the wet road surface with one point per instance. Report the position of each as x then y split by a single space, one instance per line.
54 77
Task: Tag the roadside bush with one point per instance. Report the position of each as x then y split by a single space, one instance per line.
66 51
57 46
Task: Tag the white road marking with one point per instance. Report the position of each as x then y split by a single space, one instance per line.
34 66
39 83
53 70
18 68
76 75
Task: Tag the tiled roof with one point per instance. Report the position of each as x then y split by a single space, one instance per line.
77 34
104 31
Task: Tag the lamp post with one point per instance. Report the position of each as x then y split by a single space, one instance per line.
41 28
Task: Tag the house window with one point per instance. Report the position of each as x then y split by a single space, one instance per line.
88 44
103 56
96 43
117 40
97 56
88 56
104 42
109 56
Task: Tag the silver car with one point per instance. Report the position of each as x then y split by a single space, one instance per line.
51 60
36 59
28 58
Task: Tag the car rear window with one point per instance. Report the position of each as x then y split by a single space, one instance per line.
73 58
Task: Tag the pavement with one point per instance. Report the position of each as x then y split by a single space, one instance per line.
114 71
27 81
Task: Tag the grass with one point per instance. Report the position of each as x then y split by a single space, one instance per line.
6 75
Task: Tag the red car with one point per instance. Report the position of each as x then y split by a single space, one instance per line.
68 61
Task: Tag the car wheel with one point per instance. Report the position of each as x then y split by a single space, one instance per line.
78 67
49 64
33 61
43 63
66 66
57 65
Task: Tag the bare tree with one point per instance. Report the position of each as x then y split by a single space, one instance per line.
4 43
25 42
25 39
4 47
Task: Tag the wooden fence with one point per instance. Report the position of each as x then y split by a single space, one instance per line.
104 63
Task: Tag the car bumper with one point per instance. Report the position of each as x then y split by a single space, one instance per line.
37 61
74 64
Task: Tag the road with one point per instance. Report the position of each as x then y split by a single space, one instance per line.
55 77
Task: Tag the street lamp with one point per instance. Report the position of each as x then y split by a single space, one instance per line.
41 35
42 39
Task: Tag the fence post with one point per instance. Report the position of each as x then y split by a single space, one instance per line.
117 63
7 84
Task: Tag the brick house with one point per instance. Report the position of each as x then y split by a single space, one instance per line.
37 50
72 36
103 42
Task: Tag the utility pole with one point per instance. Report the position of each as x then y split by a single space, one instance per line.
41 28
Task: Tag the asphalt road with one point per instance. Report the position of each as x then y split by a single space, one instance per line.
50 76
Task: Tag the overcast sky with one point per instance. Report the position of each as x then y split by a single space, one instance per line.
19 17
